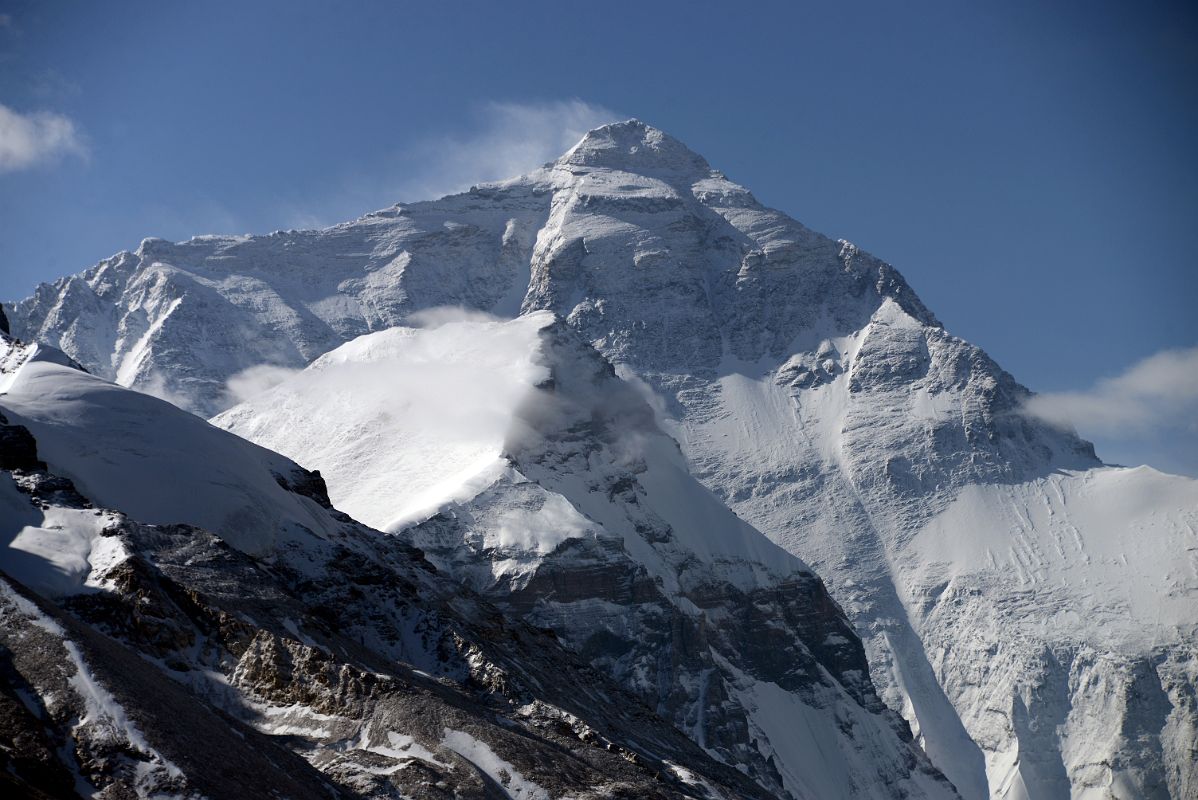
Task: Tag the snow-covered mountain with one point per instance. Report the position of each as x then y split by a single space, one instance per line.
1029 610
184 614
513 456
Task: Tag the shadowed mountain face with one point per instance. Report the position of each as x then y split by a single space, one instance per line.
1028 610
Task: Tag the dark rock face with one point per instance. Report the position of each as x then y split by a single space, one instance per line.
18 449
163 741
307 483
29 762
692 668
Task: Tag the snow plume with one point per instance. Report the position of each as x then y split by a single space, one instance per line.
661 410
582 395
255 381
509 140
444 315
155 385
27 140
1160 391
498 140
428 407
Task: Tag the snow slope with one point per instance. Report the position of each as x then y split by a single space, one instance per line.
1098 575
134 452
413 415
810 390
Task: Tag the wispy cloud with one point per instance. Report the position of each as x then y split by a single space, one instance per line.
510 139
502 140
39 137
1157 393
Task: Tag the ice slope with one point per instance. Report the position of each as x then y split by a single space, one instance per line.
586 520
809 387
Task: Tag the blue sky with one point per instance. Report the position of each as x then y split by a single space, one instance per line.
1030 167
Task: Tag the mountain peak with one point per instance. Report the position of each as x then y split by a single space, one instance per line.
633 146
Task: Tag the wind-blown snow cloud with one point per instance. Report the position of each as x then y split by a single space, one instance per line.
444 315
511 139
1159 392
430 407
504 140
254 381
27 140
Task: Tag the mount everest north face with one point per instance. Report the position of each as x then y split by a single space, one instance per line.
605 480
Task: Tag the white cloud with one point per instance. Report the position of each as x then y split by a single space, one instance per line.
509 140
1157 393
27 140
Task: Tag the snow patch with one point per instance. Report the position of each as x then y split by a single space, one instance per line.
482 756
57 551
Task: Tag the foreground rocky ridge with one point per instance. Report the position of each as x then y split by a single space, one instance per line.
983 556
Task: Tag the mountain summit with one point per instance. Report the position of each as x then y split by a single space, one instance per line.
1028 610
632 146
